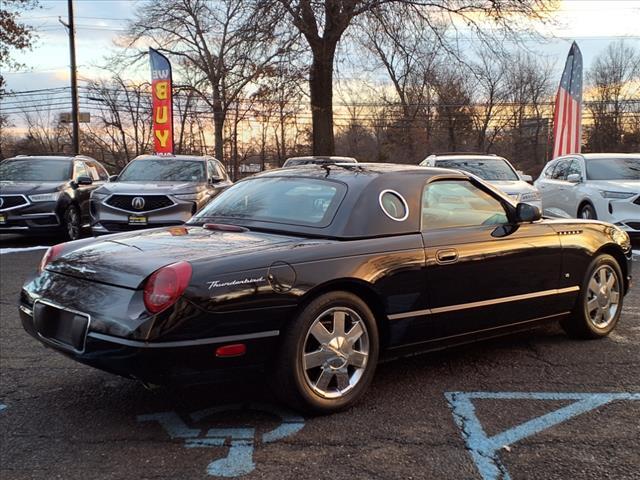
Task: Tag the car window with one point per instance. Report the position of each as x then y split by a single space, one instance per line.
491 169
80 170
459 203
102 172
614 168
163 170
92 169
574 168
292 201
560 171
221 170
548 171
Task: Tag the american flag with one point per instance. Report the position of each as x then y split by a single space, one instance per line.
567 120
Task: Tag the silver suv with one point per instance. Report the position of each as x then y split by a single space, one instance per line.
156 191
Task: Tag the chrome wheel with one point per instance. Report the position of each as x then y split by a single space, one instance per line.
336 352
72 220
603 297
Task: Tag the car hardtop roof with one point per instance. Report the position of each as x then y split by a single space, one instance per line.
327 158
348 172
51 156
174 157
466 156
604 156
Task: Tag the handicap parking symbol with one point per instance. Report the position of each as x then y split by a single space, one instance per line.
241 440
484 449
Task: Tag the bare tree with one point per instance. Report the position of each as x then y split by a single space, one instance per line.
323 24
229 42
615 84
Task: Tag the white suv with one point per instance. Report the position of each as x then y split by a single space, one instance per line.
603 186
493 169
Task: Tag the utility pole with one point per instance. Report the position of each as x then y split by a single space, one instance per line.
75 116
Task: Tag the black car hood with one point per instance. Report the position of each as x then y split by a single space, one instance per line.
127 259
28 188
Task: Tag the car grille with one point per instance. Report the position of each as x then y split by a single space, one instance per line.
10 201
151 202
634 225
637 200
125 227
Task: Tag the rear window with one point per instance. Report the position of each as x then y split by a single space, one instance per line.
34 170
291 201
488 169
163 170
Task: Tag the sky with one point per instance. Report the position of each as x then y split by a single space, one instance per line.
593 24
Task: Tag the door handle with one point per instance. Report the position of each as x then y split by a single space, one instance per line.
447 256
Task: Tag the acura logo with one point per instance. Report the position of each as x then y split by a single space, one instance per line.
137 203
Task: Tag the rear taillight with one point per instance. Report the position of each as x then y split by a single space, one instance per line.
165 286
51 254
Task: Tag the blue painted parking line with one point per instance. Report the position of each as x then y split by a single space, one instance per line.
2 406
484 449
241 441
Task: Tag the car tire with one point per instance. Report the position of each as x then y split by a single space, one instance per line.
599 304
328 355
72 223
587 212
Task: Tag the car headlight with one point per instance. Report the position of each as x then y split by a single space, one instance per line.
529 197
621 237
99 195
187 196
617 195
45 197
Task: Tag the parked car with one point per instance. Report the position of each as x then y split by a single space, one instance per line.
309 274
48 194
495 170
317 160
156 191
603 186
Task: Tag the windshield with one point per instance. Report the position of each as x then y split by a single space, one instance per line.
293 201
35 170
163 170
487 169
613 169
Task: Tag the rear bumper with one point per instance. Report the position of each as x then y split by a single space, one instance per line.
187 362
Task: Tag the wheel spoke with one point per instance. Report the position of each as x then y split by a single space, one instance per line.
339 319
324 379
592 304
357 359
320 333
602 277
606 315
342 377
611 281
593 285
317 358
614 297
355 333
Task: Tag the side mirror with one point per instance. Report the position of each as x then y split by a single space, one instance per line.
526 178
84 180
113 178
526 213
574 178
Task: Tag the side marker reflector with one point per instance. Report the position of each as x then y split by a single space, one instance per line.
234 350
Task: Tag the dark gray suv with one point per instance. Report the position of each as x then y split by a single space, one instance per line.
156 191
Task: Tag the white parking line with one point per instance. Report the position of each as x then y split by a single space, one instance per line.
18 250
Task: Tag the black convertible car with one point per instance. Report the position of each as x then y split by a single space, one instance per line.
311 274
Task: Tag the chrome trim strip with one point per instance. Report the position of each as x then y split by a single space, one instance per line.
22 205
104 202
26 310
484 303
12 228
53 341
183 343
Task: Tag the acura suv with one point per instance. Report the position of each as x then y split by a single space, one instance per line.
493 169
48 194
156 191
602 186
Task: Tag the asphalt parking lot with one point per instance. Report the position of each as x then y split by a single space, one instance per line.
535 405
